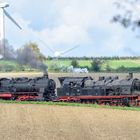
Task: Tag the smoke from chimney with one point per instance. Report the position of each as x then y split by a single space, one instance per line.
7 51
24 56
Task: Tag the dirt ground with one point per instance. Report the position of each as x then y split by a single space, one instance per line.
43 122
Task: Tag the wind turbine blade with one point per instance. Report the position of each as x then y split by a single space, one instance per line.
39 39
66 51
6 13
45 44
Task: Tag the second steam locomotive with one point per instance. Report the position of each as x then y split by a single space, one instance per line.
104 86
105 90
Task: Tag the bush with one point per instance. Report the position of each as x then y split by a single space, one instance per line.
108 68
96 65
54 67
74 63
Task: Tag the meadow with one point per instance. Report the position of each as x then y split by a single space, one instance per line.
114 65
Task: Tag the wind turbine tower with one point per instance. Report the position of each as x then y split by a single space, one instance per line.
3 12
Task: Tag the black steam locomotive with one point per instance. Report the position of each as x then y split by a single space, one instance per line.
39 88
105 90
104 86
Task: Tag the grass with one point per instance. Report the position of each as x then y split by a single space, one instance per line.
113 64
72 104
66 63
11 65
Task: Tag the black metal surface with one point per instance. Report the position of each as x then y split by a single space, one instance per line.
105 86
43 87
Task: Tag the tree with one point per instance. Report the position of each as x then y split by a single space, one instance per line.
30 55
35 49
108 68
74 63
128 13
95 65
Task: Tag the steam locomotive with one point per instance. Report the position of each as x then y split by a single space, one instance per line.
39 88
104 86
105 90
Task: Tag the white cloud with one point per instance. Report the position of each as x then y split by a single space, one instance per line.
63 22
76 19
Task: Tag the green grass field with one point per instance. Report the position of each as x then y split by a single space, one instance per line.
66 63
73 104
8 65
113 64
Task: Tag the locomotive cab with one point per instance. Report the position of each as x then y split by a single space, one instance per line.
71 86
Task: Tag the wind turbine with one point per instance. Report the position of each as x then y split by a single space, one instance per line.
58 54
3 12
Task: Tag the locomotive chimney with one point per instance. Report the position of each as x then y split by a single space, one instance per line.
45 74
130 75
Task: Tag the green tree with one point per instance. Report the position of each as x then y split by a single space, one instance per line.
108 68
74 63
35 49
95 65
122 69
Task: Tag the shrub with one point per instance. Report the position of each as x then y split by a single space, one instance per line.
74 63
95 65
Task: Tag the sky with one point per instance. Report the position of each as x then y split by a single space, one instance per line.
62 24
